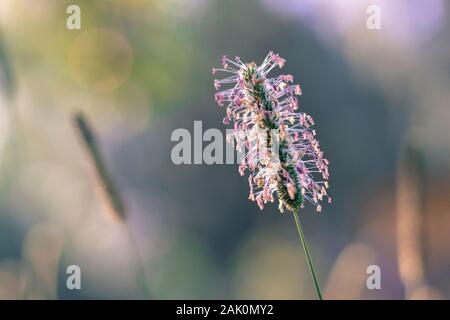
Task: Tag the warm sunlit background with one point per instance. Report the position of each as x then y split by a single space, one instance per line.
139 69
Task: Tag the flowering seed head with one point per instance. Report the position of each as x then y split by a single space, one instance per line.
282 154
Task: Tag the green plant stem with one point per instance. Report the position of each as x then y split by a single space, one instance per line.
308 257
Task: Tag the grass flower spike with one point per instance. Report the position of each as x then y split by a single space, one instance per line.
283 155
279 146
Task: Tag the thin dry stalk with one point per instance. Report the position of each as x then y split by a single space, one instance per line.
410 220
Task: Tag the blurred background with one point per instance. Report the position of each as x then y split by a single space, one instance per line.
139 69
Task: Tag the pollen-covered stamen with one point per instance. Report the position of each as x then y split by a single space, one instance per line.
290 164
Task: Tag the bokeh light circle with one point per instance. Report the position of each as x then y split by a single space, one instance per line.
100 60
